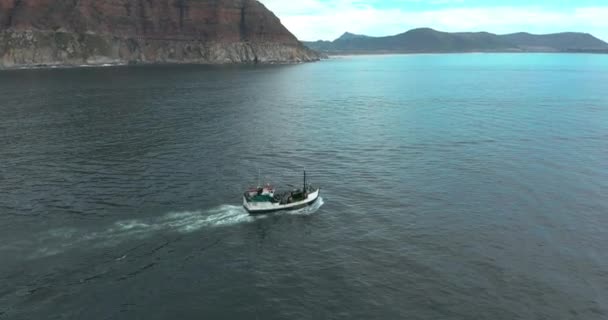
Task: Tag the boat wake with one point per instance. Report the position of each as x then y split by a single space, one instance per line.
57 241
308 210
186 222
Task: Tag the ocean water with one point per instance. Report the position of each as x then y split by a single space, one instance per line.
470 186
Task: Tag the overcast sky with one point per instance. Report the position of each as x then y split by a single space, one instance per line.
328 19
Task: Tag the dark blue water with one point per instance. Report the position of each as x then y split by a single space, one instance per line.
454 187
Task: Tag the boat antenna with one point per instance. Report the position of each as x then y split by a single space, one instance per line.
304 190
259 185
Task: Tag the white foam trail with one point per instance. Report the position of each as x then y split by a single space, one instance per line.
310 209
57 241
186 222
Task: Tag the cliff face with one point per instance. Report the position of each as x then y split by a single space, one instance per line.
75 32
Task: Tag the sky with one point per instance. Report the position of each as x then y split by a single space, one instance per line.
313 20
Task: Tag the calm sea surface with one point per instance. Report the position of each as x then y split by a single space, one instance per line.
469 186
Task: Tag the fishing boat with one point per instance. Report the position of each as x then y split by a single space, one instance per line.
265 199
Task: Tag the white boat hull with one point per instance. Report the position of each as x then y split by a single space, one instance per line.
266 207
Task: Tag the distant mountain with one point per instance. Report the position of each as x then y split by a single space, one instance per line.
350 36
559 41
426 40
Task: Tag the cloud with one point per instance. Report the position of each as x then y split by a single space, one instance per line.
327 20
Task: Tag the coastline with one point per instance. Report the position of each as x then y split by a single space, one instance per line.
338 55
144 64
324 56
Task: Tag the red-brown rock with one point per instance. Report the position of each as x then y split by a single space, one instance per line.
69 32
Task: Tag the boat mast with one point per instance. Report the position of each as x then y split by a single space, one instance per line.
304 190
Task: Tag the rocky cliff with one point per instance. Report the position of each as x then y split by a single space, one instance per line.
77 32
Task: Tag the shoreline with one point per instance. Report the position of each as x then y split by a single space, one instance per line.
125 64
228 64
332 55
